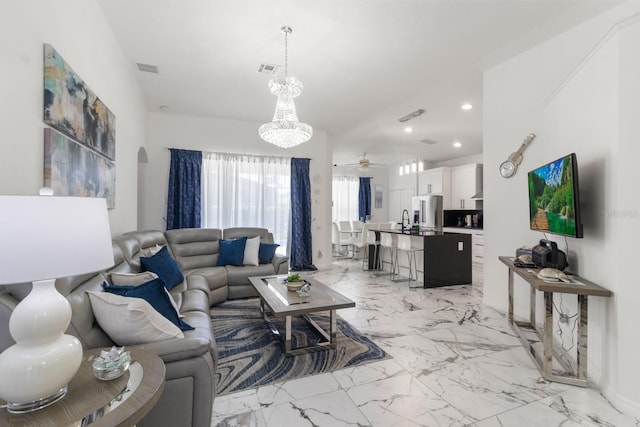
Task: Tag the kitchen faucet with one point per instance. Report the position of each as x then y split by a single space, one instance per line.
404 211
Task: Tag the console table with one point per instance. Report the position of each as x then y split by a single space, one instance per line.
123 401
582 288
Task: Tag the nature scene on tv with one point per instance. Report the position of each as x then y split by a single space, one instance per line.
551 198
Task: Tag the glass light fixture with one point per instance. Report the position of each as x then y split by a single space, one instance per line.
401 170
420 166
407 168
414 167
285 130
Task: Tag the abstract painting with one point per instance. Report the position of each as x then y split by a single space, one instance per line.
73 109
71 169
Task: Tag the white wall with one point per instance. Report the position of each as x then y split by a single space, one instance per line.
577 92
624 217
232 136
459 161
78 30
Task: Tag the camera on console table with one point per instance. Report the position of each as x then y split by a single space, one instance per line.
546 254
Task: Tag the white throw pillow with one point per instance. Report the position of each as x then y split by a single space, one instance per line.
132 279
251 248
130 321
151 250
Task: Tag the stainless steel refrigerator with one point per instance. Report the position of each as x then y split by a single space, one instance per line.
429 210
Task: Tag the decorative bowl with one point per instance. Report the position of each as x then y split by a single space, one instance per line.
110 364
294 286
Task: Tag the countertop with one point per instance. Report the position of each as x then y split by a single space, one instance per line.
414 232
430 232
464 228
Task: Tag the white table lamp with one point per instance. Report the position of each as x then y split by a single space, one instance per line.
43 238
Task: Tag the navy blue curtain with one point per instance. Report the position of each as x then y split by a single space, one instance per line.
301 250
364 198
183 200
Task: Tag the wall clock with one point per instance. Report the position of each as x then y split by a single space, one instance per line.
509 167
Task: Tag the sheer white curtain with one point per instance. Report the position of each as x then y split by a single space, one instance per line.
247 191
345 198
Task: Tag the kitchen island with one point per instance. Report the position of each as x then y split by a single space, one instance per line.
446 257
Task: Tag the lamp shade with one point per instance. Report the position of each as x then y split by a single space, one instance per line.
46 237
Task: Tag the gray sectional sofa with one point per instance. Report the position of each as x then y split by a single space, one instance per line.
190 361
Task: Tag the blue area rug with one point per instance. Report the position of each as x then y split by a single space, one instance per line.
250 355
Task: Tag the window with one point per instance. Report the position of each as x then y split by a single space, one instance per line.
247 191
345 198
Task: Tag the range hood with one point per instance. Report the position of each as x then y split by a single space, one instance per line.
478 196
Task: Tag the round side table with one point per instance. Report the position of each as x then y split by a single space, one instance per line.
123 401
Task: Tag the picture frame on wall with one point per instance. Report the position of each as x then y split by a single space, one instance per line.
72 108
378 196
71 169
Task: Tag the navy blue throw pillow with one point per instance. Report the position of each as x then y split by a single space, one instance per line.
232 252
266 252
163 264
155 294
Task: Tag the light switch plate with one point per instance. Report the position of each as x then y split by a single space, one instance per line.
460 246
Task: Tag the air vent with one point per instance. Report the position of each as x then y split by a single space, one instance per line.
147 68
428 141
268 68
413 115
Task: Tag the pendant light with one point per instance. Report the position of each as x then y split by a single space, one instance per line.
285 130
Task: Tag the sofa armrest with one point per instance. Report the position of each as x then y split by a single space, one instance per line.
178 348
188 394
280 264
189 390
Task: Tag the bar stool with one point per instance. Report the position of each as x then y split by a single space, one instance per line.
371 239
389 241
406 244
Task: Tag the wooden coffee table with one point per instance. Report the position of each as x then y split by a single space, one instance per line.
277 301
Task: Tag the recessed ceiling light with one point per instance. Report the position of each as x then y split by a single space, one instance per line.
467 106
457 144
164 108
408 129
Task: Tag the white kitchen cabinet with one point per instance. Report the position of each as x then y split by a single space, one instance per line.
436 181
466 181
398 200
477 246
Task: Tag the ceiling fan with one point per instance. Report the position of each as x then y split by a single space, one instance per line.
363 164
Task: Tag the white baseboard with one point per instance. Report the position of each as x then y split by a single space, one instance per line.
626 405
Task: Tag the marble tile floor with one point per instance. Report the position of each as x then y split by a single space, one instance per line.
455 363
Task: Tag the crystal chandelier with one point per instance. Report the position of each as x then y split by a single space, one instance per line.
285 130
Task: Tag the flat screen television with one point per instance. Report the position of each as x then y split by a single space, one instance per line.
554 198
